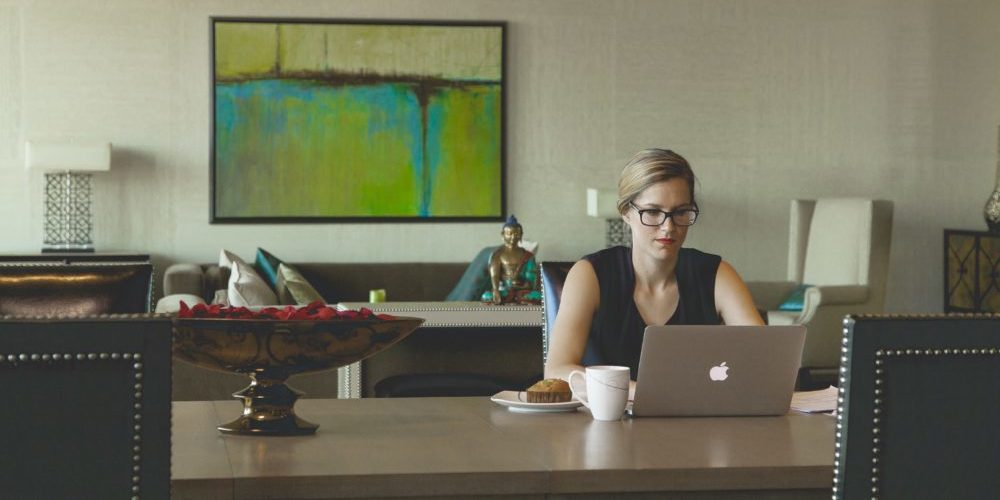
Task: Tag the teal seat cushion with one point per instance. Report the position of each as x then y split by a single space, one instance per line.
476 278
795 300
268 264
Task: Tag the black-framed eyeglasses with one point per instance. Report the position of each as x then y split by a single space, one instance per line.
656 217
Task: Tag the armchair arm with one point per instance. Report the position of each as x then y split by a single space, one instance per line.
815 296
768 295
843 294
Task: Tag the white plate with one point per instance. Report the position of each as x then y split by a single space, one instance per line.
515 401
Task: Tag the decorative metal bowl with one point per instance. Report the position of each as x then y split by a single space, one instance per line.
270 351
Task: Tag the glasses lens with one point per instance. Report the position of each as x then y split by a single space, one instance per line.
684 217
652 217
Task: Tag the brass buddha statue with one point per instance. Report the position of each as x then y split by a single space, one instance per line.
513 271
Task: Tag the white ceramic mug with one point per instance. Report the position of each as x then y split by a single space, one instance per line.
606 390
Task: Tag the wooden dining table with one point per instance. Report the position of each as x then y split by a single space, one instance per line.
472 448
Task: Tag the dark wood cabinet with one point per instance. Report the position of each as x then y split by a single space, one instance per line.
971 271
75 284
75 257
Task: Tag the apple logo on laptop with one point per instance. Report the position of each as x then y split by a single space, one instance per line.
719 373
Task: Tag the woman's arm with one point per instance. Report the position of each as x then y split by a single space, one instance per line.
732 298
577 305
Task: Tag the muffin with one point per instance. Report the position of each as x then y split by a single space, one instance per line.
550 390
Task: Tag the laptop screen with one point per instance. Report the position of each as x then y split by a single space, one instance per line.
717 370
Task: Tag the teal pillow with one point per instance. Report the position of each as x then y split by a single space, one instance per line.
795 300
268 264
476 278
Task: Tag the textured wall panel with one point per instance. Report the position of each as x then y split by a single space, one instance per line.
10 82
771 100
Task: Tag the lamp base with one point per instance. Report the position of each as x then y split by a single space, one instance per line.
67 212
617 233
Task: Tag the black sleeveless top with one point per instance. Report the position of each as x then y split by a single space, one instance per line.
617 327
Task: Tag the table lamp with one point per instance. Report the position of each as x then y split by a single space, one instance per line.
68 167
603 203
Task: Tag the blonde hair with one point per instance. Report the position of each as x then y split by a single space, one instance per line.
649 167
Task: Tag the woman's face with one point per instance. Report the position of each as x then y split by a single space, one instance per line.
664 240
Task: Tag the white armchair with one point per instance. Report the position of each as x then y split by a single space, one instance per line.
839 248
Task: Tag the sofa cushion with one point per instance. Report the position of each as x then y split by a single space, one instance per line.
183 279
402 281
293 288
172 303
216 278
476 278
247 289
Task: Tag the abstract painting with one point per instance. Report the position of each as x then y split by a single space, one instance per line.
334 120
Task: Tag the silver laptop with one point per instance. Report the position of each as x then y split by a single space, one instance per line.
717 370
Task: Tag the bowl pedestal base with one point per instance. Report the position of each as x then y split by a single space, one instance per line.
268 410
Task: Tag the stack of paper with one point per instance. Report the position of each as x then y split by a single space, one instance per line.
823 400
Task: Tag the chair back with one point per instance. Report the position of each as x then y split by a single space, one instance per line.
841 241
76 289
553 277
88 407
918 413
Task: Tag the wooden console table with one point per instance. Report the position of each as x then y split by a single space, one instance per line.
971 271
439 447
470 337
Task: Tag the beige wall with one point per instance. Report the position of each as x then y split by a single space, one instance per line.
769 99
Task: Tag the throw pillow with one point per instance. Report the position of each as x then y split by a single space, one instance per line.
476 278
795 300
227 258
268 265
247 289
293 287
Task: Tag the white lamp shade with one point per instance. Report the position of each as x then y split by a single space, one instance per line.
68 156
602 203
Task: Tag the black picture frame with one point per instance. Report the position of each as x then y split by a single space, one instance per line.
281 162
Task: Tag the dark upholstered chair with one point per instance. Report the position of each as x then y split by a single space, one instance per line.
87 407
920 409
76 289
553 277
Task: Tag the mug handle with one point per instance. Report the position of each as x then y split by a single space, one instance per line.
580 396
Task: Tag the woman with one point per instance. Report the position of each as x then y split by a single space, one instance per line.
610 296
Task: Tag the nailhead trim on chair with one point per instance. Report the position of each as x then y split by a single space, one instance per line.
879 395
50 359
